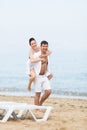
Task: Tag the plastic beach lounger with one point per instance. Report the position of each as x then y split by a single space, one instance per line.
10 107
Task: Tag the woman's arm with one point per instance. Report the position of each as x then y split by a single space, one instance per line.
32 59
45 55
48 52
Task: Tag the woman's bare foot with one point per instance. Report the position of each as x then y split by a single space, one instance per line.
50 76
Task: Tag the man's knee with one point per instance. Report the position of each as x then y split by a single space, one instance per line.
48 92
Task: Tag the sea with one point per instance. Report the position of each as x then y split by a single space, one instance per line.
69 68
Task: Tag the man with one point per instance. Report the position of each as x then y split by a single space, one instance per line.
41 80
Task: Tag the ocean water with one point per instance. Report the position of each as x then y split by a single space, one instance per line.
69 68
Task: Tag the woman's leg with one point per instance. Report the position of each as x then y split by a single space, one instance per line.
31 79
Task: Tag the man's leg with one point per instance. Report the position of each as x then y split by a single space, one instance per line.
37 98
37 86
45 96
46 86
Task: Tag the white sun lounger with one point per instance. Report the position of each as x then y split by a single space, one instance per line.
10 108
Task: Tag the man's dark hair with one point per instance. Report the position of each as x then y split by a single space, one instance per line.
31 39
44 42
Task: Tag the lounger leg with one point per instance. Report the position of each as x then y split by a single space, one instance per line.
20 113
6 117
14 115
32 115
46 115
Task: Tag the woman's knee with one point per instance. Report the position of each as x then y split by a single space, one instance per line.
32 77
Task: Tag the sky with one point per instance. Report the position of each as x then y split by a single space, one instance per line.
63 23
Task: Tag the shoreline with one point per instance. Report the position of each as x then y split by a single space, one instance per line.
30 94
67 114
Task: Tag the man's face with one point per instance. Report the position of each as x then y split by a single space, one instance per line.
44 48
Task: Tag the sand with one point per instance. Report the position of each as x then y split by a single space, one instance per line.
67 114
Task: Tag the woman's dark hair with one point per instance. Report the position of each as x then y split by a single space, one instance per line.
31 39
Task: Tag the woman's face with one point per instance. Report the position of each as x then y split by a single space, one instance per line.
33 44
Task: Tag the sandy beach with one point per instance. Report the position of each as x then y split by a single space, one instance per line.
67 114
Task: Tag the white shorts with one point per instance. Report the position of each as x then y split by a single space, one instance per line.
41 82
